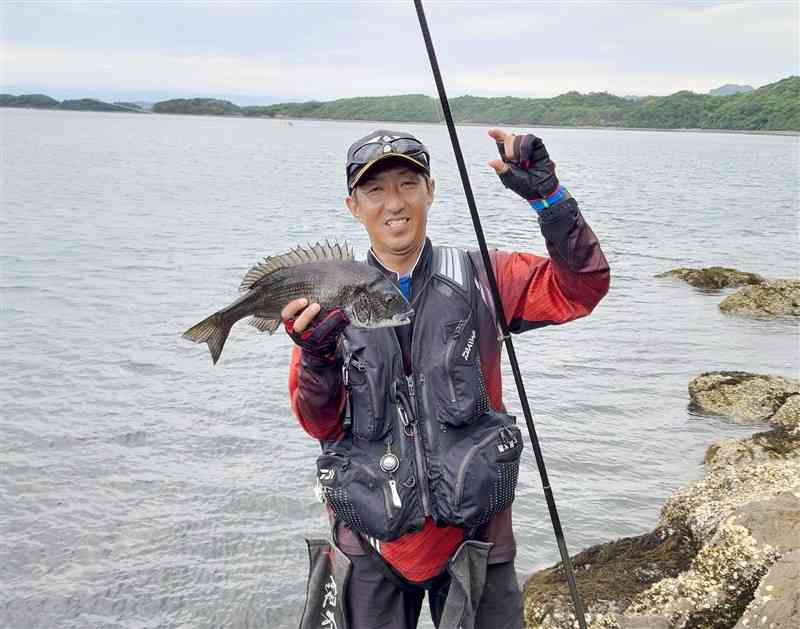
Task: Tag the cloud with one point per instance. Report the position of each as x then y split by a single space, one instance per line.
321 50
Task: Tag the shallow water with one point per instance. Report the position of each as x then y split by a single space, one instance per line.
142 487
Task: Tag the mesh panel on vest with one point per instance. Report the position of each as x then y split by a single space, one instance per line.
503 494
343 507
482 405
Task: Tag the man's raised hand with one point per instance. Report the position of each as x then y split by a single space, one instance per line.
525 167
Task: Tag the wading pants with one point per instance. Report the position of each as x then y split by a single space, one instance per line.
379 598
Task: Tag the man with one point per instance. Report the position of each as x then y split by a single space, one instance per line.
419 458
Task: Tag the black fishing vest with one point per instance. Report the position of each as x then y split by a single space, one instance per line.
426 444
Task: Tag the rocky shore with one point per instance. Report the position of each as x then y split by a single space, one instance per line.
778 298
757 298
713 277
726 551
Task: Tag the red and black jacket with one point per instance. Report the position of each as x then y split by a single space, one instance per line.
535 291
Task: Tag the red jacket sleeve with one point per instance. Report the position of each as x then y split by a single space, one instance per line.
538 291
317 395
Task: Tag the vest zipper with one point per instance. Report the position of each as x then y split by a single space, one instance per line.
422 472
448 358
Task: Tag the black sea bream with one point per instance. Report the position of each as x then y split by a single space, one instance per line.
325 274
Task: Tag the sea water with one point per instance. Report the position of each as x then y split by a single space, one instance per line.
140 486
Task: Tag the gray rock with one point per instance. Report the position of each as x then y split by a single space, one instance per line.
773 445
787 417
609 576
727 550
718 586
713 277
766 300
775 521
776 603
744 397
644 622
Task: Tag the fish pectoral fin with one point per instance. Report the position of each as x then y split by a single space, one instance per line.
263 324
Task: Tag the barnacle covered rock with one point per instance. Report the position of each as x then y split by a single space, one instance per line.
609 576
702 505
713 277
747 398
771 299
776 603
717 588
773 445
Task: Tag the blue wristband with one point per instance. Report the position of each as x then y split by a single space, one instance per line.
542 204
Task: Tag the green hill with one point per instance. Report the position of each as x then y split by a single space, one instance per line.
771 107
730 88
197 106
90 104
133 106
42 101
774 107
37 101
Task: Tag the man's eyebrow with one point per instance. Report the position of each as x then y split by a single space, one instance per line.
373 179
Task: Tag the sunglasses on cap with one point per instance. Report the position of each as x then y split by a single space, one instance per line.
379 145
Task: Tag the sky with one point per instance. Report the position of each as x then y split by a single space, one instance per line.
263 52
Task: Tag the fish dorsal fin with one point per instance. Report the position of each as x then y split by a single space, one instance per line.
298 255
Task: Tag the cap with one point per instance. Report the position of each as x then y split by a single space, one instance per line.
365 152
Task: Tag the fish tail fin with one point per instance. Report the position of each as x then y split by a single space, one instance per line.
212 330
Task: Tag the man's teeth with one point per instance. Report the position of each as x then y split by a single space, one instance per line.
396 220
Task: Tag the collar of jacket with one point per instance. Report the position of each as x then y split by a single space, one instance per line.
421 268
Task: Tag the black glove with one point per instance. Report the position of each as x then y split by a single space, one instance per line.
319 339
531 173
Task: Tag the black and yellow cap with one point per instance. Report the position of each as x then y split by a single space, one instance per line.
382 144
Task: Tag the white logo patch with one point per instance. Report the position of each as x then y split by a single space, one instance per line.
468 349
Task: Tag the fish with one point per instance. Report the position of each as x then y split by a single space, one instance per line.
326 274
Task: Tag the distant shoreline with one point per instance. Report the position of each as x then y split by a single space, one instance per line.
533 126
772 109
435 124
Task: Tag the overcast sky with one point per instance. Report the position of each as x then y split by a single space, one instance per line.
278 51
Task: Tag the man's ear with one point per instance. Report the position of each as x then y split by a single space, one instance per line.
431 190
352 205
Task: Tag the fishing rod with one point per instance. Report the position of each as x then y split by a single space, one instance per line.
498 307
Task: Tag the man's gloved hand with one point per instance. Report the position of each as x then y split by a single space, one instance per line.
316 335
526 168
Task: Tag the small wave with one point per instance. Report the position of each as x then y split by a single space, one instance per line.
132 439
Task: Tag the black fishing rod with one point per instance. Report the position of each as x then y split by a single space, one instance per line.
498 307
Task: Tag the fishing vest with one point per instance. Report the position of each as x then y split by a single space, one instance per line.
428 443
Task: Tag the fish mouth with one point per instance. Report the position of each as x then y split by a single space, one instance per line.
404 318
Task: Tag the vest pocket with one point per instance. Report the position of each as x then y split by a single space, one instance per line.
478 475
457 382
366 391
367 500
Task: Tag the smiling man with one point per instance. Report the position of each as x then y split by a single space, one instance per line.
420 460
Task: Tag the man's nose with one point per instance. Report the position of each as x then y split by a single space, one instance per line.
393 201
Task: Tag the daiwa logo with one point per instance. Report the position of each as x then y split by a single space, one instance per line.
468 349
327 474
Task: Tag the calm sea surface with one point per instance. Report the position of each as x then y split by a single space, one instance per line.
140 486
